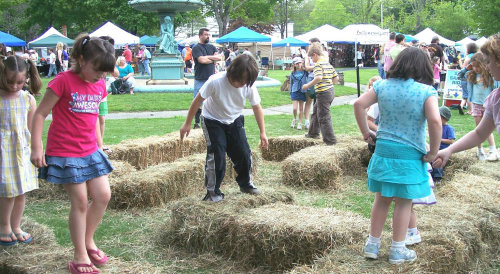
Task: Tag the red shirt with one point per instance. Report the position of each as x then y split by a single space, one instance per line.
72 132
128 55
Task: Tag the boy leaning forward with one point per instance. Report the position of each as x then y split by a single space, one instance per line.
222 122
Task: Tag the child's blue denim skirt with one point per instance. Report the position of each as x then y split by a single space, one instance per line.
65 170
397 170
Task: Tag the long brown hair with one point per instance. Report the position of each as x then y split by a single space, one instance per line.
17 65
479 60
412 63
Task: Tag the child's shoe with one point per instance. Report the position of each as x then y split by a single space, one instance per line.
299 126
306 125
294 121
413 238
371 250
492 156
480 155
401 255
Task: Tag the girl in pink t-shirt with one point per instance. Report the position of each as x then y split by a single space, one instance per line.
491 116
436 72
73 157
18 175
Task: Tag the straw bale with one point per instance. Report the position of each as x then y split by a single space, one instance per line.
324 166
460 161
153 150
283 146
159 184
121 168
231 173
486 169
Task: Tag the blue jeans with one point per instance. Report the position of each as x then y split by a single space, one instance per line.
381 71
146 70
52 70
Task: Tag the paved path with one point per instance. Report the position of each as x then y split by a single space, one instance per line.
285 109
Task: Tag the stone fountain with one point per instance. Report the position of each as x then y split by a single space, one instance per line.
167 63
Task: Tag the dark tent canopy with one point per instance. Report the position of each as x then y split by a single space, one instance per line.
51 41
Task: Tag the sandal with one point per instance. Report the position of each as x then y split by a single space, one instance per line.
73 268
106 149
7 243
95 261
22 235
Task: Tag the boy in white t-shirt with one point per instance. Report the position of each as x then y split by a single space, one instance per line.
222 122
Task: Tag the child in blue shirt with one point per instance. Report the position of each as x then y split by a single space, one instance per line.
298 78
448 137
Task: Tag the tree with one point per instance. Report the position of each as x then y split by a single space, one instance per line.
283 9
221 10
330 12
363 10
485 15
455 29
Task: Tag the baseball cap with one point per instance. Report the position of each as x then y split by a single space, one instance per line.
445 112
297 60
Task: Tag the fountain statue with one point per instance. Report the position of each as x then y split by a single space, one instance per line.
167 63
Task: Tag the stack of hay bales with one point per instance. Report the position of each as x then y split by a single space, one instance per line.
165 182
461 233
283 146
324 166
257 231
154 150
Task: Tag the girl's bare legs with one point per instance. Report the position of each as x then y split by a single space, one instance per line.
78 223
379 214
413 219
100 194
491 139
301 111
400 219
16 216
295 105
6 206
307 108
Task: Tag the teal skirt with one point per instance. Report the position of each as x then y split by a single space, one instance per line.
397 170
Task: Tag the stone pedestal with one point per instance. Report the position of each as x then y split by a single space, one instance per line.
167 67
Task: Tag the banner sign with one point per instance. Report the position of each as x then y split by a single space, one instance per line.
452 86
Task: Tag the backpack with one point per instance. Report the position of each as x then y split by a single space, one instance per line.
119 87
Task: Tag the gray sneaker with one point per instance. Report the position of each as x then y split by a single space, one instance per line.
401 255
480 155
250 189
213 198
313 137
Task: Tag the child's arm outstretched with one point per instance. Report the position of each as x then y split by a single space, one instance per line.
259 117
195 105
434 126
470 140
48 102
362 103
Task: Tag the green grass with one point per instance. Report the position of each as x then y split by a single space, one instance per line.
364 75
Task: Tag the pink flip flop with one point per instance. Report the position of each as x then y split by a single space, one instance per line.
73 268
102 261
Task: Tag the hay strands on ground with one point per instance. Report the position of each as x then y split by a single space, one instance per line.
283 146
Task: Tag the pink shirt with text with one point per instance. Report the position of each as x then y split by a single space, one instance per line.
72 132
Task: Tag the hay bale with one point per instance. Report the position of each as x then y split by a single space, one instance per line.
121 168
283 146
159 184
231 173
153 150
274 236
460 161
324 166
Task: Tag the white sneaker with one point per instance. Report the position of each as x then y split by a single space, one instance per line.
294 121
306 125
492 156
480 155
412 239
299 126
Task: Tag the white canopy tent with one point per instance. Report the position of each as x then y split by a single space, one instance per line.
465 41
324 33
364 34
427 34
120 36
481 41
48 33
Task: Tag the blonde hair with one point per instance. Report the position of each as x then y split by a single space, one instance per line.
315 48
479 60
119 59
59 46
373 80
492 48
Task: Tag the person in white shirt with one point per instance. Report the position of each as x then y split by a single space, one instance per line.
52 63
222 122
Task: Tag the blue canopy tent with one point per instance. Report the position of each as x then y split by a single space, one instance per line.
10 40
142 38
242 35
150 41
288 42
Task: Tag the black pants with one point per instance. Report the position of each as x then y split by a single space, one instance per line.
222 138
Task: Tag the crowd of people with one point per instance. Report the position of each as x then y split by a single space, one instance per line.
406 105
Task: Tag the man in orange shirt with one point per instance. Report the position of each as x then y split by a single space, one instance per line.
188 57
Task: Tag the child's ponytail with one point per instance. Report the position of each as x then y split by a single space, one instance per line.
98 51
35 83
